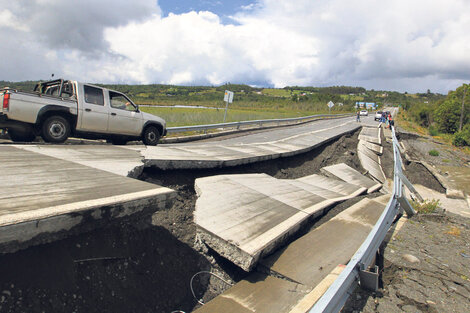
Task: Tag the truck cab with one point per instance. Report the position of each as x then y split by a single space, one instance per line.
60 108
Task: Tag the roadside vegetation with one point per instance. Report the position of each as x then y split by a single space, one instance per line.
426 207
447 119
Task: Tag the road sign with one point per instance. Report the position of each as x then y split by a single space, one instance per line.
228 97
331 104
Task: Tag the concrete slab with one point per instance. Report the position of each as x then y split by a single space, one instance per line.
113 159
244 217
368 157
310 258
332 184
350 175
372 146
45 197
372 167
258 293
308 265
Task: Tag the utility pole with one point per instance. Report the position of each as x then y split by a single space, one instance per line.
463 107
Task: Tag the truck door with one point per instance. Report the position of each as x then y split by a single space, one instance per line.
124 118
93 112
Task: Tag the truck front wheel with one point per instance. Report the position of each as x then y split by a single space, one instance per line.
151 136
55 129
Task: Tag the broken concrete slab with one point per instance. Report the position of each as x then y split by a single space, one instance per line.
130 160
258 212
372 167
350 175
332 184
47 198
368 156
308 259
244 223
306 267
378 149
258 293
113 159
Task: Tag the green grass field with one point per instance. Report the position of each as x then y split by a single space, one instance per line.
187 116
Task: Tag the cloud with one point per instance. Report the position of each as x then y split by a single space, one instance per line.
398 44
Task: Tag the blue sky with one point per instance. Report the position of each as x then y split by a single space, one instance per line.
398 45
219 7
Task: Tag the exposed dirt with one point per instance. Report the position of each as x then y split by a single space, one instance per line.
437 279
124 268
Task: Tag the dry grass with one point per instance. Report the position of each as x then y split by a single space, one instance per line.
454 231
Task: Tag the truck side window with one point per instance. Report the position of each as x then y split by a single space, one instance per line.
94 95
119 101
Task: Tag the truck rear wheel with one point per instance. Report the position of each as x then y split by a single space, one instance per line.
21 136
151 136
55 129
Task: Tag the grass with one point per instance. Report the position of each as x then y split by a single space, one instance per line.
425 207
454 231
276 92
187 116
406 123
433 152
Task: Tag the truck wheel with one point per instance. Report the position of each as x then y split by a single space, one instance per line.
55 129
19 136
151 136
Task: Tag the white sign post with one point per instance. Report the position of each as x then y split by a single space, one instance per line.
330 105
228 98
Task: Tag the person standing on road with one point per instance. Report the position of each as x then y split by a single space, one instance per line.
358 116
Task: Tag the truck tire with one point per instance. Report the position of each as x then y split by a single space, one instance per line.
55 129
151 136
21 136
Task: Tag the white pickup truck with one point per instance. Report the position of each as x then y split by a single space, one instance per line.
60 108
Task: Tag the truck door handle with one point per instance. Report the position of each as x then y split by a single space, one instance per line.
88 110
113 113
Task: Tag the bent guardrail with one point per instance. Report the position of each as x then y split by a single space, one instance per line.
356 270
272 122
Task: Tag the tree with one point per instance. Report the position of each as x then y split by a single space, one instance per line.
449 112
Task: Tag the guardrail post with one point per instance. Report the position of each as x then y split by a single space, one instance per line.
369 279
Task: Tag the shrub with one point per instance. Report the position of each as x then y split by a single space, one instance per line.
459 140
433 152
433 131
462 138
425 207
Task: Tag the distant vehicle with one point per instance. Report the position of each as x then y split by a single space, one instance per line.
378 115
59 108
364 113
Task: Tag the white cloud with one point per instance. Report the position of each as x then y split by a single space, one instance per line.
396 44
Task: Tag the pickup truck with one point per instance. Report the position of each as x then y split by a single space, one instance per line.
60 108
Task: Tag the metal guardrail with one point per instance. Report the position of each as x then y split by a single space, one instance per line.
238 125
356 270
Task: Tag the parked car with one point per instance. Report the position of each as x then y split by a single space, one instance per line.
60 108
378 115
364 113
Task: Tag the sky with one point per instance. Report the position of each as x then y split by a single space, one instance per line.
397 45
